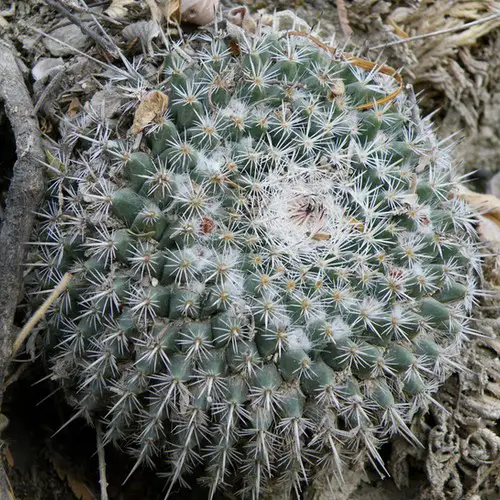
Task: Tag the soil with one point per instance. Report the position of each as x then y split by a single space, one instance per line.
44 466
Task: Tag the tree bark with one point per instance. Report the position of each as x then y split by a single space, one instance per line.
25 192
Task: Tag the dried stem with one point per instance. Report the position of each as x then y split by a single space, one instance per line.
107 45
102 463
343 19
56 80
40 312
438 32
25 192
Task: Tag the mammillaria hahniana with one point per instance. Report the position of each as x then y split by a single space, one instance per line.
269 283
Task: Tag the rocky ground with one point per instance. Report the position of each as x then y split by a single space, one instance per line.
459 74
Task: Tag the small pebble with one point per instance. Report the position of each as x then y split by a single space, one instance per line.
45 67
494 185
107 102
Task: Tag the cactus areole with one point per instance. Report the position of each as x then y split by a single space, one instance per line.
270 279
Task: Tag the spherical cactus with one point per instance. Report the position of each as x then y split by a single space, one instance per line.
271 278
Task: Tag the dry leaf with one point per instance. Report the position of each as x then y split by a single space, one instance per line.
117 9
150 110
74 107
240 16
46 126
170 10
158 11
8 456
173 12
79 488
199 12
485 204
3 22
488 208
489 230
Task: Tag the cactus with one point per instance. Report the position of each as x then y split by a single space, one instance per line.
268 283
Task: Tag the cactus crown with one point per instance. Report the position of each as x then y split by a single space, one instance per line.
270 283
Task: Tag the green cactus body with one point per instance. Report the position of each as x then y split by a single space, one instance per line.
258 287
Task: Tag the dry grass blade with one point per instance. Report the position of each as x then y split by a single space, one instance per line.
40 312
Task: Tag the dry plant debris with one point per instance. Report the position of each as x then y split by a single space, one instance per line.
118 9
438 64
459 70
151 110
199 12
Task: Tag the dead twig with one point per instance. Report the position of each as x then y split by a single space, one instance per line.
85 9
109 46
102 463
56 80
438 32
343 19
40 312
15 376
25 192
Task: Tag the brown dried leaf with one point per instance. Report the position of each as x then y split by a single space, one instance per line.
8 456
74 107
150 110
79 488
486 204
173 12
199 12
240 16
488 208
117 9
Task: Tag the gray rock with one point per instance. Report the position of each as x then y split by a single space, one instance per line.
46 67
70 35
494 185
106 102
